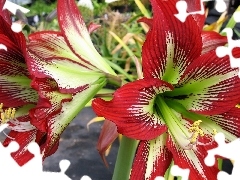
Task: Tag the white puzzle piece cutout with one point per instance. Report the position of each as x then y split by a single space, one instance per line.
222 51
32 169
182 9
177 171
227 150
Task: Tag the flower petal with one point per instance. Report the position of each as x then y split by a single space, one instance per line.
107 136
63 71
23 139
192 159
209 85
194 6
58 122
18 39
211 40
22 156
152 159
51 44
5 14
132 109
77 36
49 104
227 123
167 50
15 87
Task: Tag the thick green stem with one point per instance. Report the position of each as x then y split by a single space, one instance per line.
125 157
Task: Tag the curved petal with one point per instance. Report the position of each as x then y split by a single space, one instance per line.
51 44
57 123
167 50
194 6
132 109
93 27
107 136
5 14
49 103
77 36
209 86
62 71
147 21
211 40
152 159
229 121
192 159
15 87
17 38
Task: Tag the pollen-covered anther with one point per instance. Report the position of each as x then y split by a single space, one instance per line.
214 132
195 129
7 114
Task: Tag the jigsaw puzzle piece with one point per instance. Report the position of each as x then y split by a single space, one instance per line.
177 171
222 51
159 178
182 11
236 16
221 6
226 150
87 178
181 6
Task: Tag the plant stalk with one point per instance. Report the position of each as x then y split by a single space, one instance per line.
126 154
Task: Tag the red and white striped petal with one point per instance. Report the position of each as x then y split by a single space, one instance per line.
58 123
77 36
229 121
49 103
15 87
168 50
152 159
51 44
211 40
132 109
70 76
192 159
210 85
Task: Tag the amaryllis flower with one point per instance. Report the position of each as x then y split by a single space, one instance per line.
15 89
186 95
67 72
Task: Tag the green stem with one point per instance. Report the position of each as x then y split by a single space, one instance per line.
114 80
125 157
168 175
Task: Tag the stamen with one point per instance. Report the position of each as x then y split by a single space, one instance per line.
7 114
195 129
214 132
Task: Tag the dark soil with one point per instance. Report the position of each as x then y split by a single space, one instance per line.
78 145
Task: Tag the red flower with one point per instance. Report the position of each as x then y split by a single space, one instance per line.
184 81
67 72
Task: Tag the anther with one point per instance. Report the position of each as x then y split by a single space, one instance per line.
1 106
7 114
195 129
